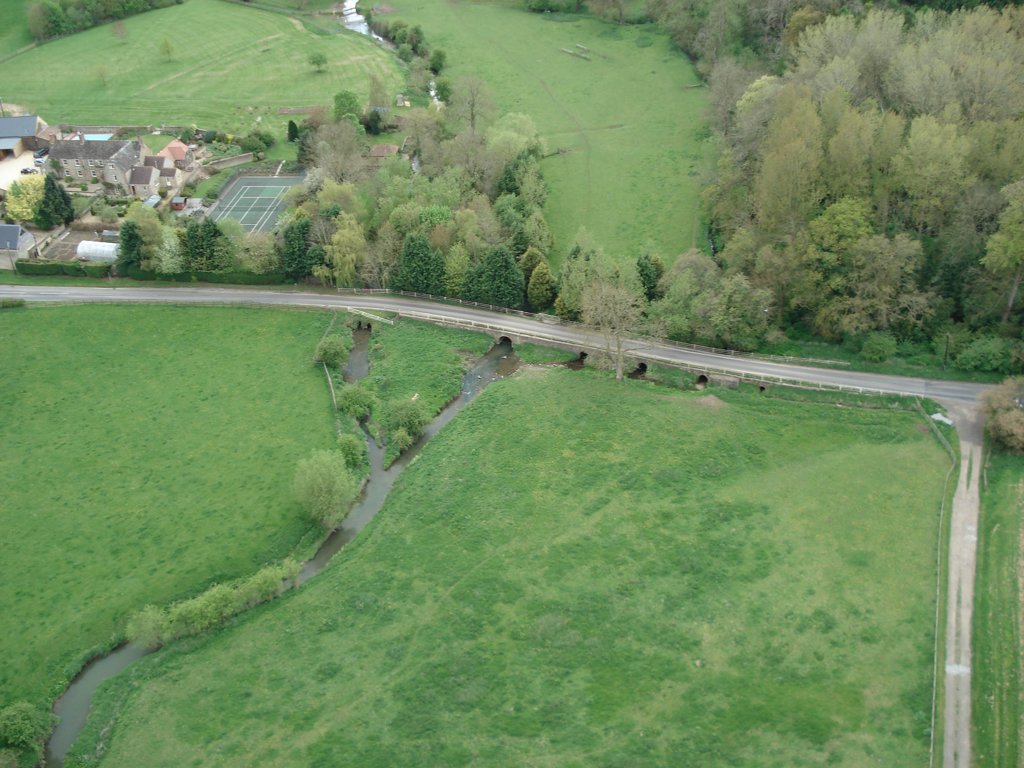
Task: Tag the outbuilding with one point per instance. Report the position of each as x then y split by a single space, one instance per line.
94 250
16 242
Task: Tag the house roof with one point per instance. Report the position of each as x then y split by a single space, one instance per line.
143 174
9 236
175 149
18 127
10 143
170 172
86 150
383 150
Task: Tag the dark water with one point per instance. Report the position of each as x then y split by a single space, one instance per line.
73 706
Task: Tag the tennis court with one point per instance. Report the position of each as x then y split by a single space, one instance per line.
254 201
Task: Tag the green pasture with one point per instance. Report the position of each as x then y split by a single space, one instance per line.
997 707
412 359
625 125
231 68
581 573
145 452
14 32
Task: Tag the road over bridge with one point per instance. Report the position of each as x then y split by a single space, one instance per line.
960 397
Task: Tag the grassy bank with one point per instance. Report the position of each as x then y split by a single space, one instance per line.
625 125
580 573
997 707
144 453
231 68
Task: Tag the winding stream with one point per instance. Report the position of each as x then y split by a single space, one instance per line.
73 705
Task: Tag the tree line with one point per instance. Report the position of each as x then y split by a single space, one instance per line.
55 18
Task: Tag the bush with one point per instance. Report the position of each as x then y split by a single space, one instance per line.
1004 413
324 487
96 270
356 401
878 347
72 268
6 303
236 278
24 267
405 415
987 353
148 627
153 626
333 350
401 439
353 449
22 725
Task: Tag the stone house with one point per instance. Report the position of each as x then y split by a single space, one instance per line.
109 162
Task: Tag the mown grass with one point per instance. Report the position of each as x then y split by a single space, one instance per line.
145 452
231 69
579 573
996 671
14 33
625 125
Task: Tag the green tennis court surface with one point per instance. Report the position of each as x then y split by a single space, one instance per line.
254 201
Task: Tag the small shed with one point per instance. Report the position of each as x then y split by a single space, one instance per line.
178 203
94 250
152 201
110 235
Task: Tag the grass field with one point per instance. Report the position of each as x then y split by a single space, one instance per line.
626 119
14 32
578 573
997 707
230 67
144 453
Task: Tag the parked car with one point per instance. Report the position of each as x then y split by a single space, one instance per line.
30 170
40 153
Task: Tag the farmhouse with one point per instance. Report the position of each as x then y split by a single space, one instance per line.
110 162
15 243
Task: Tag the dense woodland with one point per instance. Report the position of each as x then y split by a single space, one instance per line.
867 185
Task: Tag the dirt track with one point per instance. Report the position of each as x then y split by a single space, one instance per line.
963 546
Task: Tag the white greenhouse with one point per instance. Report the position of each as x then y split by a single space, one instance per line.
94 250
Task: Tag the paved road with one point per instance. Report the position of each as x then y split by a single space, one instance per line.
960 397
748 367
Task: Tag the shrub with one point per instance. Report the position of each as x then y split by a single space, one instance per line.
22 725
356 401
401 439
353 449
324 487
24 267
1004 412
409 416
96 270
72 268
6 303
333 350
878 347
987 353
148 627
